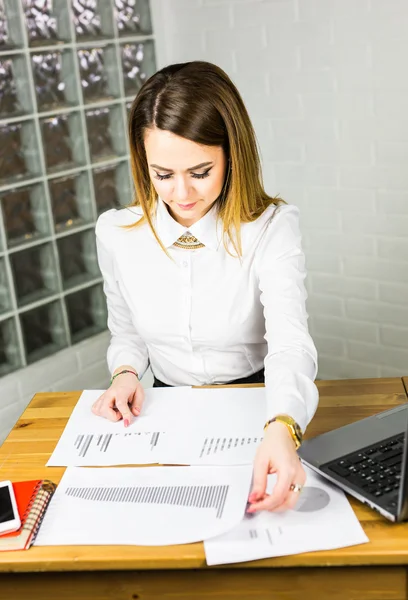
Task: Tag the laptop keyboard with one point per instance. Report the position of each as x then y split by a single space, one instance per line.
376 469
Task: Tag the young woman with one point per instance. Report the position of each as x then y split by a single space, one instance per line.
204 273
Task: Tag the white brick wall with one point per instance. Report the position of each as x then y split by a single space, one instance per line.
326 85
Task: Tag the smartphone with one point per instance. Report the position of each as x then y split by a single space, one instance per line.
9 517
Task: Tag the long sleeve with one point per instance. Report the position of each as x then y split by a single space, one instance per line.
291 361
126 346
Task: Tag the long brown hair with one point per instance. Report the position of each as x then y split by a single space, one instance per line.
198 101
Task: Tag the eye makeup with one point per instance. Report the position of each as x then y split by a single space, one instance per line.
193 175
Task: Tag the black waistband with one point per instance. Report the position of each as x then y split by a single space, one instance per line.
258 377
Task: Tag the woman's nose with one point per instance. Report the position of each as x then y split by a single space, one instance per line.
181 190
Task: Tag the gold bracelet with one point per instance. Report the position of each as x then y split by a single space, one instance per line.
292 426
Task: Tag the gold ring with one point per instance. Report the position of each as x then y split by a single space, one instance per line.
295 487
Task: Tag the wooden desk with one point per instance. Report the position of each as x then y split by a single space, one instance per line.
374 571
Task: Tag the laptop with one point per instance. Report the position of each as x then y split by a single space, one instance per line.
367 459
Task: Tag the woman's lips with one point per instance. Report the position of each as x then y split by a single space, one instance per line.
187 206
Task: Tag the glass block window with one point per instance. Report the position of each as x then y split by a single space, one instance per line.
43 330
54 80
25 214
77 256
10 358
63 145
5 301
14 86
103 139
99 77
35 273
132 17
69 70
19 151
71 201
86 312
92 19
138 63
11 31
46 21
112 187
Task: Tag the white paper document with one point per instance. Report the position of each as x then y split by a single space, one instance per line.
170 419
197 448
323 520
151 506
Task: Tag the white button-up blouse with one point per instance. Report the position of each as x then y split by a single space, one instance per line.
207 317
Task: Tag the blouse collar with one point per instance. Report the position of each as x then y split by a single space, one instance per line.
208 230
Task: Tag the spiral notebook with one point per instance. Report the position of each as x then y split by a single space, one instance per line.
32 499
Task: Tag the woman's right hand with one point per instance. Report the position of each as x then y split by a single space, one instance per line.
122 400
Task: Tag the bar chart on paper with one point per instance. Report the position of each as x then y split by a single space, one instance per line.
91 442
106 449
198 496
150 506
159 435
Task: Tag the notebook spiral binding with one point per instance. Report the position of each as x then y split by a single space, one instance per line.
34 514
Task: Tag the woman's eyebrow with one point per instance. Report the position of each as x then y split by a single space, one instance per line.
200 166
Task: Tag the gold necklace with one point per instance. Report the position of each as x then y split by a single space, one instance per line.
188 242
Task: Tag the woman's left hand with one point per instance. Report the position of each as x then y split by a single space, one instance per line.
276 454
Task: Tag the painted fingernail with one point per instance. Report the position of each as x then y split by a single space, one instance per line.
126 422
